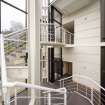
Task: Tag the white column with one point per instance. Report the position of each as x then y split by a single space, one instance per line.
5 93
34 43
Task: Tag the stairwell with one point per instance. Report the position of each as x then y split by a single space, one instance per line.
73 98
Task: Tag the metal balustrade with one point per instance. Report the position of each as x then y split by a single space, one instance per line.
15 45
52 34
45 99
94 92
69 37
11 89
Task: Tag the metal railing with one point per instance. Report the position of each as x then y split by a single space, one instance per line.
11 92
50 33
69 37
15 45
46 98
86 87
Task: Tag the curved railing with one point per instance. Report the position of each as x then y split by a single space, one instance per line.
85 86
43 95
11 91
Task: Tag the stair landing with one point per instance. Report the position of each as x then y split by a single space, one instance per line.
77 99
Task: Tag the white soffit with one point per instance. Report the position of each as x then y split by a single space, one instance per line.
69 6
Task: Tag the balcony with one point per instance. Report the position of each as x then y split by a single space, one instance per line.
53 35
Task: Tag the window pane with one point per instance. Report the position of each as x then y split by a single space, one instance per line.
11 19
18 3
57 16
51 1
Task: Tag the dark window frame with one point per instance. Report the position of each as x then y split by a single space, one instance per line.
15 7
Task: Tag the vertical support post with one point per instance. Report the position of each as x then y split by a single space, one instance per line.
60 83
92 95
6 95
77 87
55 34
70 38
49 98
15 97
65 97
34 45
64 36
63 83
86 91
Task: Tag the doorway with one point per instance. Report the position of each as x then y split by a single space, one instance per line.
70 32
67 68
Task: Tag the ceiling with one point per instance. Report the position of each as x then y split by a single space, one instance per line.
69 6
69 26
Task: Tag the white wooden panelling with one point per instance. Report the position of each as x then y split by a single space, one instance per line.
86 60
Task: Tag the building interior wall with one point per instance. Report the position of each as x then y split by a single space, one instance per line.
85 56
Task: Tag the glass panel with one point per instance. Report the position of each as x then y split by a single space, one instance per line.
51 1
18 3
11 20
57 16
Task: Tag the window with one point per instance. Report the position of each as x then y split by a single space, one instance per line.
13 15
18 3
51 1
13 20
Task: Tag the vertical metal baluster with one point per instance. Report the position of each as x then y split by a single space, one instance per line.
55 34
49 98
15 96
92 95
77 87
86 91
65 97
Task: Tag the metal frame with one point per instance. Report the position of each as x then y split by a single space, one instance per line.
15 7
0 16
9 85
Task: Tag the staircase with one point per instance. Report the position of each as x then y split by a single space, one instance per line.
83 90
16 48
15 52
73 97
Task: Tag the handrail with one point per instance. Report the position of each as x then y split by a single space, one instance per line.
17 67
32 86
15 40
52 24
20 31
84 77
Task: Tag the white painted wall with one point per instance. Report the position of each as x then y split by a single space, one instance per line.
17 73
86 59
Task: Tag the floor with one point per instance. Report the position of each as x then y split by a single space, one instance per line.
21 101
76 99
